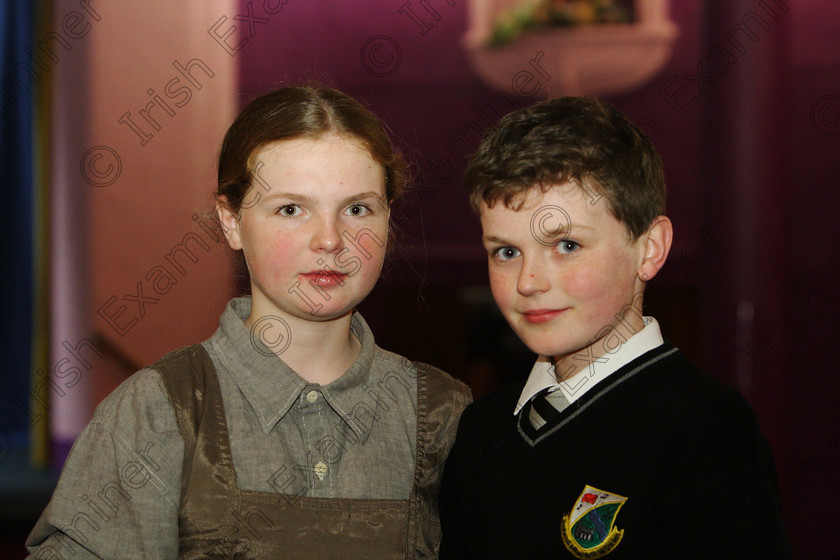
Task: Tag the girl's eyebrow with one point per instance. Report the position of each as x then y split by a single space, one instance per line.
362 196
297 197
494 239
291 196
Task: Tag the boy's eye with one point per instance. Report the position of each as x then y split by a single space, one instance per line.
289 210
505 253
358 210
567 246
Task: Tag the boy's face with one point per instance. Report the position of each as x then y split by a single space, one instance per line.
563 270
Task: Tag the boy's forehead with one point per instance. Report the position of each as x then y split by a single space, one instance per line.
568 194
560 207
532 210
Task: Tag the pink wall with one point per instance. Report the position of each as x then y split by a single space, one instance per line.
123 200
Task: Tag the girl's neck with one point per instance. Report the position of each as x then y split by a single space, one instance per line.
319 351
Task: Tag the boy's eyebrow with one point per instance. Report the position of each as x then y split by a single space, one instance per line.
499 240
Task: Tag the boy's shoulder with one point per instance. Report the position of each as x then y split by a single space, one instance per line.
683 386
503 397
492 409
675 401
663 380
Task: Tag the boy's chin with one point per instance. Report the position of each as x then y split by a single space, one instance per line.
548 348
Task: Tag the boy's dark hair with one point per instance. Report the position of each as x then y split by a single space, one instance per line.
570 139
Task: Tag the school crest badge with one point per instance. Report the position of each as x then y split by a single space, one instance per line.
589 530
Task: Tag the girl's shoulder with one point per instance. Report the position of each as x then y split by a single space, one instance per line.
141 398
438 381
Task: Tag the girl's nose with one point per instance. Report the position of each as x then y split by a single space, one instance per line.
327 236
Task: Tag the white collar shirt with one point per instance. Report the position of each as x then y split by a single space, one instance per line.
593 370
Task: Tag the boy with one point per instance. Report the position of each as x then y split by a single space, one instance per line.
616 446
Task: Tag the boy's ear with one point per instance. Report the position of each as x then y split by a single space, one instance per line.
230 223
657 243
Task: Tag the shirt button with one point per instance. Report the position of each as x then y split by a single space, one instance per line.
312 396
320 469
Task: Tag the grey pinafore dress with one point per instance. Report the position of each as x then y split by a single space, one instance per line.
217 519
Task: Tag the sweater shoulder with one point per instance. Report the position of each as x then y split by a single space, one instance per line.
683 394
690 387
493 408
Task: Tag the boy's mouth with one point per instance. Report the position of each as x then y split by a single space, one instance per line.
541 315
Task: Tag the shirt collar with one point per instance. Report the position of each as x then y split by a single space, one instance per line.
269 385
592 371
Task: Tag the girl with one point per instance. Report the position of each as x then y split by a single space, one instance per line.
288 433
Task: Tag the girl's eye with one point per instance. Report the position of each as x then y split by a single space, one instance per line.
567 246
289 210
505 253
358 210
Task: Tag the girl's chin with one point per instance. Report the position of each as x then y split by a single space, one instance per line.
325 315
327 311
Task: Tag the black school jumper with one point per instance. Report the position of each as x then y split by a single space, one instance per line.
683 448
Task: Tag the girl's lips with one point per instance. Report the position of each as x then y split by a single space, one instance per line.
325 278
541 315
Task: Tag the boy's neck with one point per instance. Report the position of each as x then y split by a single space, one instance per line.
627 325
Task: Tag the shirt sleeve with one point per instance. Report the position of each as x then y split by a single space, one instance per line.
119 490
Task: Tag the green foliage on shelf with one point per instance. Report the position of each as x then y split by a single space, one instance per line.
540 14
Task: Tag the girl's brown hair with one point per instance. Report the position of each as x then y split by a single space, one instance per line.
302 112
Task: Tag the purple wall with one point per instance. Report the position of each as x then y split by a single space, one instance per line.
751 162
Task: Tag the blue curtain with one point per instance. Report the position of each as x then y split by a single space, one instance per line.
16 213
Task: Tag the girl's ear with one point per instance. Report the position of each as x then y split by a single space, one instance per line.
657 243
230 223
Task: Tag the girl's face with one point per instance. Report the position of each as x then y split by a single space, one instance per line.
313 228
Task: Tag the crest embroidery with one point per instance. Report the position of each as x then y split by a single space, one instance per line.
589 530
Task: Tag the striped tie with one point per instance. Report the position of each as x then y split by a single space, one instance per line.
546 407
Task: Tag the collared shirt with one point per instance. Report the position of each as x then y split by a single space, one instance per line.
591 370
119 491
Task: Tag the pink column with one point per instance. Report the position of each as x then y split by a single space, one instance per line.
141 101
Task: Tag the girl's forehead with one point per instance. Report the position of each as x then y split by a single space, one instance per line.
300 146
328 167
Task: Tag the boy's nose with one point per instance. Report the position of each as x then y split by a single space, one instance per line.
533 278
327 236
